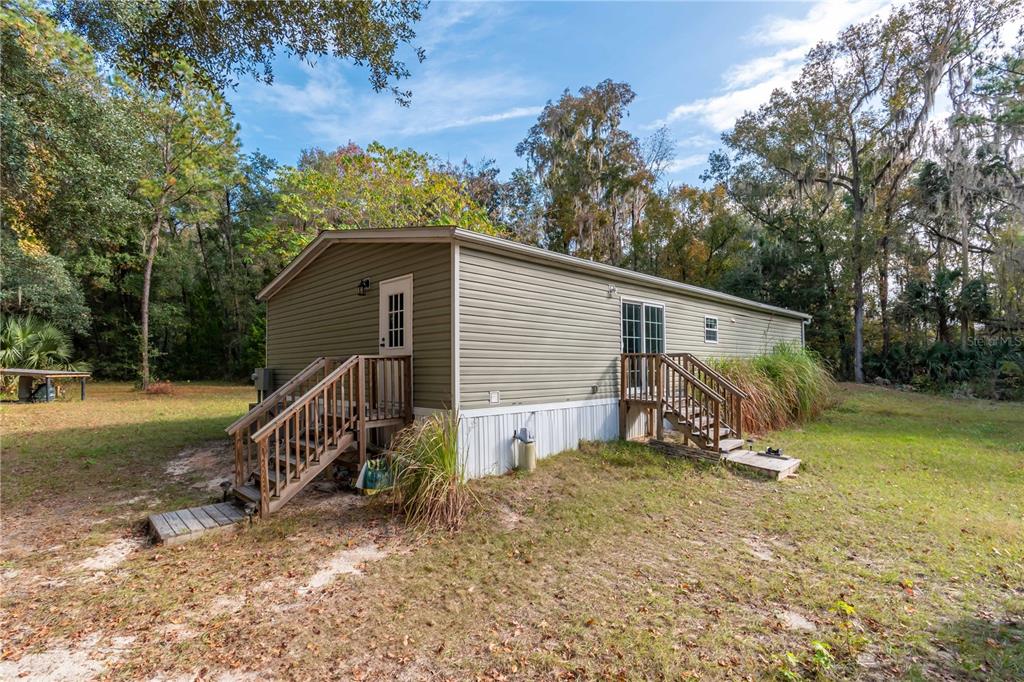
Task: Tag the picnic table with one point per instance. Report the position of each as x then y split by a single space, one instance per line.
29 389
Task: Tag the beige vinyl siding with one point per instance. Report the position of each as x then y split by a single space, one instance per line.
541 333
319 312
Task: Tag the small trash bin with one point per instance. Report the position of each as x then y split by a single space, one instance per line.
526 450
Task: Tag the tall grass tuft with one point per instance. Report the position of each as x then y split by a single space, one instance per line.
789 384
430 484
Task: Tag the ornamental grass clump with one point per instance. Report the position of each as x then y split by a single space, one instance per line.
789 384
430 485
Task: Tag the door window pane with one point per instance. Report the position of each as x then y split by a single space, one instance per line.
396 320
654 329
632 339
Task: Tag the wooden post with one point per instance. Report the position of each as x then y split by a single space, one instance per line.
264 483
659 390
739 417
623 405
407 385
361 411
239 466
717 426
83 388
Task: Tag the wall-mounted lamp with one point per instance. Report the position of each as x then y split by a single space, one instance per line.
364 286
611 290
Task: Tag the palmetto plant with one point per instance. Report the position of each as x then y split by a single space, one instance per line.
33 343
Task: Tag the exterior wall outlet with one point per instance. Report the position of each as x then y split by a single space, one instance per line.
494 397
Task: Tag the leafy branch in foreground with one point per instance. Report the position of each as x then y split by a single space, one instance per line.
222 39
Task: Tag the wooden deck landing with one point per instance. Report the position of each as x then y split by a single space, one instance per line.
171 528
748 460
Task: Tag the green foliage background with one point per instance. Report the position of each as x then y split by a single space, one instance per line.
903 236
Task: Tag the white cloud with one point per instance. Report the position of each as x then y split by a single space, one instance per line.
450 89
824 20
749 84
720 112
474 20
685 163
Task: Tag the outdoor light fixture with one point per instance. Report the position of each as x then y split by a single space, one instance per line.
364 286
611 290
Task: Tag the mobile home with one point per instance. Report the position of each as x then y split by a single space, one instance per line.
510 335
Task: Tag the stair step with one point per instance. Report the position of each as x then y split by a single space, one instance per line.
273 477
710 434
249 493
730 444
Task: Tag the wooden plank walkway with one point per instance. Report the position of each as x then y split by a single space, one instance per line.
773 467
171 528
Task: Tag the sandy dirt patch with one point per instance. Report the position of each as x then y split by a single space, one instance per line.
213 462
759 549
111 555
791 620
226 605
206 676
78 663
508 518
347 561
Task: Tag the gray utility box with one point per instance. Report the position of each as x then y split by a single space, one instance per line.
263 377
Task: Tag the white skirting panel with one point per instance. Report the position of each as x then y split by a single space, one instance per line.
485 435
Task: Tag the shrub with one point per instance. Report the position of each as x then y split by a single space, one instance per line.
159 388
430 484
789 384
987 368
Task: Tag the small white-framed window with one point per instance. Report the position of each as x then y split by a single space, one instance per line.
710 329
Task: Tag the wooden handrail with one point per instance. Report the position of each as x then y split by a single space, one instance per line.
269 401
299 404
692 378
715 373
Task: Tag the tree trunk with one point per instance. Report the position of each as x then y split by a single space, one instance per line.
883 294
151 244
858 290
858 324
965 271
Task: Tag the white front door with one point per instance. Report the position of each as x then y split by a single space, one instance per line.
396 316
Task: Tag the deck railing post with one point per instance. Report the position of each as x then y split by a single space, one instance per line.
264 483
659 390
739 417
716 425
622 396
407 386
361 411
239 465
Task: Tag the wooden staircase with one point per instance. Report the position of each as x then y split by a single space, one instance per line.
322 414
702 406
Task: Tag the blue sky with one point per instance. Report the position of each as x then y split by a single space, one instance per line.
491 67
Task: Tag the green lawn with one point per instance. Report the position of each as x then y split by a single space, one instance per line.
611 561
